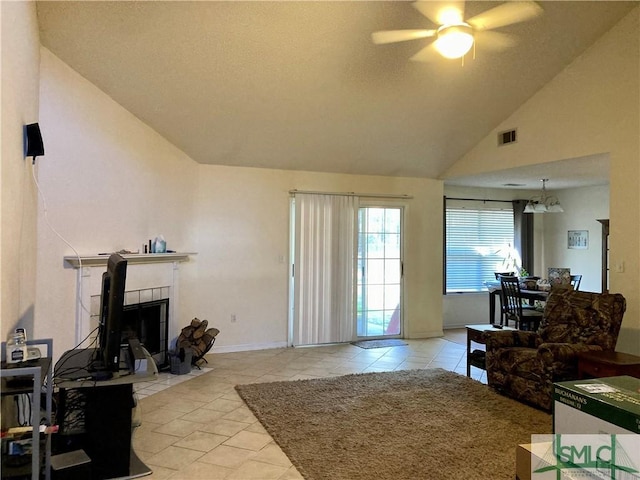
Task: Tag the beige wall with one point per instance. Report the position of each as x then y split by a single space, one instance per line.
583 207
20 74
243 233
591 107
110 183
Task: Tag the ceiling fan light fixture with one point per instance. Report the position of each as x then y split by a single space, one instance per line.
454 41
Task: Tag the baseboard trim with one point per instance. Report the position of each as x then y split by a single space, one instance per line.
247 347
266 346
462 325
427 334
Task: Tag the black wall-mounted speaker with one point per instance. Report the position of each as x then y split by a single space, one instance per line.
34 147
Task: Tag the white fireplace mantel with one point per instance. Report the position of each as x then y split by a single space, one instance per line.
132 258
146 273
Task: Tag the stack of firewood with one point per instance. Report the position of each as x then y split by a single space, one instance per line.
198 338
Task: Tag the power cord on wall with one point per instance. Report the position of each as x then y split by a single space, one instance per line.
51 227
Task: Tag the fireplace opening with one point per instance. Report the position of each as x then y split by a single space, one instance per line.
149 323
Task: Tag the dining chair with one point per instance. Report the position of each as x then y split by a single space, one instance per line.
502 307
511 297
575 281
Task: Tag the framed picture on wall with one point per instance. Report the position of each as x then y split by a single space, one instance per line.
578 239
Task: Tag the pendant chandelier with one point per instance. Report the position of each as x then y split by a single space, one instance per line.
543 203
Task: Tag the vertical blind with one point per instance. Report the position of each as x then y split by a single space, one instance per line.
479 242
324 282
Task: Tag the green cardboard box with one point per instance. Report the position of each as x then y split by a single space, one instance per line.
598 405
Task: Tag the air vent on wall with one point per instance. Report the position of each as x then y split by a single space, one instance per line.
504 138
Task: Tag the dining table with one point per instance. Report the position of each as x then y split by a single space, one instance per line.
495 288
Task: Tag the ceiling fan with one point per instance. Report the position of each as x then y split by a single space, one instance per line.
455 36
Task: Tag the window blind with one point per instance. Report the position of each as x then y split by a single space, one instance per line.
479 242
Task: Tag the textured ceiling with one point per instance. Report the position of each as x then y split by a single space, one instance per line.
300 85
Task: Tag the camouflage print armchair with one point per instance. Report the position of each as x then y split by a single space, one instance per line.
524 365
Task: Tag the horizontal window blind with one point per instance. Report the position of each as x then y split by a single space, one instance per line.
479 242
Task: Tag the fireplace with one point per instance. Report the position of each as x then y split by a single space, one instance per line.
149 323
152 291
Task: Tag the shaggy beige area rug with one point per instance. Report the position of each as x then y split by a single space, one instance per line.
413 424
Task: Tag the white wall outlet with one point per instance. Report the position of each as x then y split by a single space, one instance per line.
620 267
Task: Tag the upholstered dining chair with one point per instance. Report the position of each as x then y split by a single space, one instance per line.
525 365
511 298
575 281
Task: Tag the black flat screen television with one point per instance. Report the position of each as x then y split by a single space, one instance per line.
111 308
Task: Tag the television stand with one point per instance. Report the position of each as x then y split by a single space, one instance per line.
101 375
95 415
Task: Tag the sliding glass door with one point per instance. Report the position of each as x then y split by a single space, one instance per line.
346 274
379 275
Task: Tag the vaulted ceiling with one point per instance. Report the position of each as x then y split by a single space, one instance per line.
300 85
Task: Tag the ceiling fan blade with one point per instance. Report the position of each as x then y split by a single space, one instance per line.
505 14
391 36
427 54
441 13
495 40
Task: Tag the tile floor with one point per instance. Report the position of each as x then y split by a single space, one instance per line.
201 429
